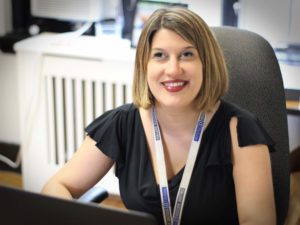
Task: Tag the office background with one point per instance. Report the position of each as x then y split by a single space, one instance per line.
283 32
17 23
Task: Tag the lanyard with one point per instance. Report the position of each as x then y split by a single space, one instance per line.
164 190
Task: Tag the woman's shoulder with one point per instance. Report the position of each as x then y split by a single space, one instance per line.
116 117
250 131
120 111
249 128
231 109
125 108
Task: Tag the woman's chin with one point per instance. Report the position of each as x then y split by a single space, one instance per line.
174 104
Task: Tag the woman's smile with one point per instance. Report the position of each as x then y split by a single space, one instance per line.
174 85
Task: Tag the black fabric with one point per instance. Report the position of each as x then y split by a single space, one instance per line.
255 84
211 196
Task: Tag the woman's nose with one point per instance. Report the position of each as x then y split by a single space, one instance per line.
173 67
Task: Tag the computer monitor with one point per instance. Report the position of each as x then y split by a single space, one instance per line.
144 9
23 207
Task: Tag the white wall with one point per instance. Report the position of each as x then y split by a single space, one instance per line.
9 99
276 20
270 18
290 75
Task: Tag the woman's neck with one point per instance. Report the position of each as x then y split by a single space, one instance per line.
176 119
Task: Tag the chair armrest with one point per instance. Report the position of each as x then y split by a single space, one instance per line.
95 194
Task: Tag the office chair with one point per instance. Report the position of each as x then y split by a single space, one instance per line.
94 195
255 83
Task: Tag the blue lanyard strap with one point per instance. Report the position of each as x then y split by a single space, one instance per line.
163 182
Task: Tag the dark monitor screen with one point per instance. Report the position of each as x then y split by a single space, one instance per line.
23 207
144 9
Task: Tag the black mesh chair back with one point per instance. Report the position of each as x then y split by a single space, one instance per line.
255 83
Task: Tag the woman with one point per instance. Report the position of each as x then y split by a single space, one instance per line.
179 145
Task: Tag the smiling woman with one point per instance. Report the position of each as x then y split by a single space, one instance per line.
179 145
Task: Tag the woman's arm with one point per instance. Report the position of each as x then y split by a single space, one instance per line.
253 182
86 167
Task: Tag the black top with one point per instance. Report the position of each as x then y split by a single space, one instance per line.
211 195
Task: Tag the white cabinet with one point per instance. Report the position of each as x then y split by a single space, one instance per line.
63 86
9 101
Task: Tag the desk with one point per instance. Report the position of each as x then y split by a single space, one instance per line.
293 117
292 97
293 107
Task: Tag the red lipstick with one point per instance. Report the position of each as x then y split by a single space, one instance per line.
174 85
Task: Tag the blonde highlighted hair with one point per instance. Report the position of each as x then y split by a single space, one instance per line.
195 31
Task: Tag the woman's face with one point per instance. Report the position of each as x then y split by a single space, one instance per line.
174 70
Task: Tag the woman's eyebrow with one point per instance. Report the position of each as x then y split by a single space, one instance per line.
161 49
189 47
157 49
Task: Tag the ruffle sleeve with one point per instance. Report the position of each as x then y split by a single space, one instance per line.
106 130
249 129
251 132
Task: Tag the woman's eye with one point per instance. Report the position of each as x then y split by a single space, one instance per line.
187 54
159 55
